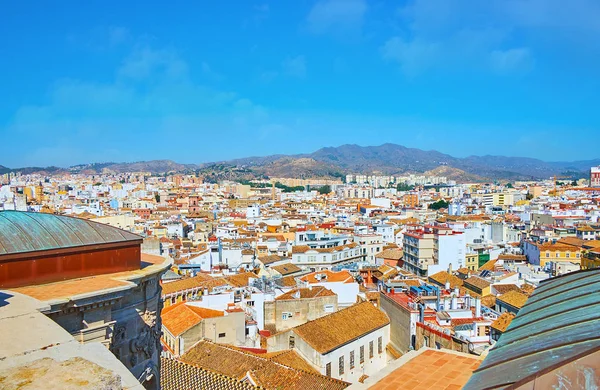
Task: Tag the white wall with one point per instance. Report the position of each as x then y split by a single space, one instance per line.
369 367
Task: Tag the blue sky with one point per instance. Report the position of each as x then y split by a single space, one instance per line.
198 81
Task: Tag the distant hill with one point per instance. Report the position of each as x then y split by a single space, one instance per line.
386 159
456 174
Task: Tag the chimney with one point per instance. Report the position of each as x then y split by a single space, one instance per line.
456 291
447 286
450 268
477 307
421 313
454 302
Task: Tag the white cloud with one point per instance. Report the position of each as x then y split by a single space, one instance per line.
295 66
151 99
454 35
336 16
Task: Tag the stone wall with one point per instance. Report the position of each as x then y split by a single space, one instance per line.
427 337
126 320
400 323
303 310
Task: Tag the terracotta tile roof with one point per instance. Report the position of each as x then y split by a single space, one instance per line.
177 375
266 260
527 289
463 321
411 282
200 281
507 256
585 228
286 269
502 322
181 317
488 266
305 293
513 298
390 254
489 301
291 359
265 372
442 277
341 276
334 330
476 281
300 248
287 281
549 247
240 280
431 369
504 288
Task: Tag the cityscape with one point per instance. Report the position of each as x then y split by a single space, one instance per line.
326 194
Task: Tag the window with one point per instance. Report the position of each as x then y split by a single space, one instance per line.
286 315
547 254
568 254
426 340
351 359
557 254
221 335
292 342
328 369
250 303
362 354
380 344
370 349
341 365
438 345
328 309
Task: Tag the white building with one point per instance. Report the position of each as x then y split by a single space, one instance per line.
344 345
317 259
386 232
341 283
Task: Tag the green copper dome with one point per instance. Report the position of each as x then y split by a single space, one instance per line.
27 232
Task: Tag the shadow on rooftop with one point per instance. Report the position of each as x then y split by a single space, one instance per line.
4 298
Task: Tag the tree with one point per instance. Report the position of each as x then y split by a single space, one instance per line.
404 187
574 183
157 197
326 189
440 204
509 185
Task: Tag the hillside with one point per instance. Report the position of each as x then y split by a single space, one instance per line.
456 174
386 159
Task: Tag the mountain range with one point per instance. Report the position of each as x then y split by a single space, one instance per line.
386 159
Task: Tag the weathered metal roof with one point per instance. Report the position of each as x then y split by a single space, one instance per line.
22 232
559 323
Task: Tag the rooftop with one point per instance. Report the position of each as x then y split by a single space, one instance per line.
424 369
306 293
22 232
334 330
182 316
264 372
177 375
558 325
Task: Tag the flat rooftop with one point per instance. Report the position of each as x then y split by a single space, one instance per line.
83 287
426 368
